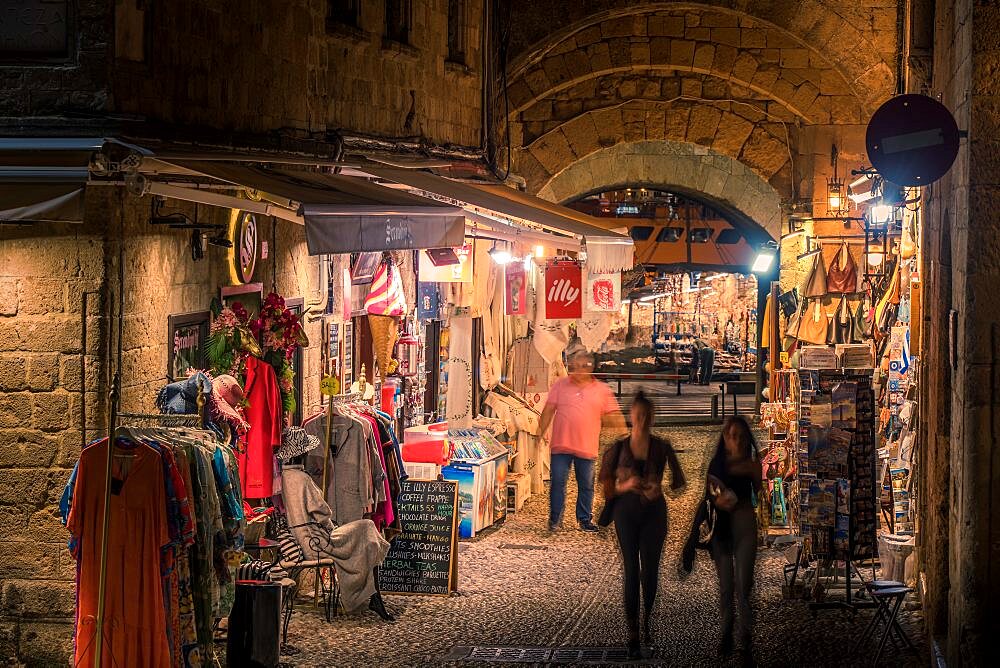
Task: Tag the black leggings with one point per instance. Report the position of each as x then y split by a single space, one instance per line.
642 530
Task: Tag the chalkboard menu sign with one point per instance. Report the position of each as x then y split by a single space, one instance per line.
422 560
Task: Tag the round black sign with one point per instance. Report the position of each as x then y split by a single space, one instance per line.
912 140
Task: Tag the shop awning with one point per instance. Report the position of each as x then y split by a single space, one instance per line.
499 199
344 214
42 179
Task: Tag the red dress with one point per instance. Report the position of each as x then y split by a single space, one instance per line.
264 413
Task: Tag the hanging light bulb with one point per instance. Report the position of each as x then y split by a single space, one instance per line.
875 259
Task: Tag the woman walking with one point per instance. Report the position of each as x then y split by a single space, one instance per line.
734 476
632 481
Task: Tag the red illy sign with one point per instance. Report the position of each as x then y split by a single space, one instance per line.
563 291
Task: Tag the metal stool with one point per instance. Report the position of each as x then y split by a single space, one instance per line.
888 596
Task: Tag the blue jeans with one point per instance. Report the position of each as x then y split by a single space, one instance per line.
584 483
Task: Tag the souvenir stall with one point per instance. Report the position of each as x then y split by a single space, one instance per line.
841 398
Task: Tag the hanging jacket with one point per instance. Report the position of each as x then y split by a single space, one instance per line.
264 413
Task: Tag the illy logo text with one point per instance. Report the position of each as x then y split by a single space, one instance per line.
563 291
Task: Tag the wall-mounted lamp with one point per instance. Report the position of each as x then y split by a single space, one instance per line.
765 258
501 256
835 202
866 187
880 214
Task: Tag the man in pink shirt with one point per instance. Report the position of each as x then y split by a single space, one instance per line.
577 408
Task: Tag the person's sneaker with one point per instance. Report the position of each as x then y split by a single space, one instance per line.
553 527
589 527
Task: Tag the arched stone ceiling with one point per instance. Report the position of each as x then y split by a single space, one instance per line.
750 202
855 37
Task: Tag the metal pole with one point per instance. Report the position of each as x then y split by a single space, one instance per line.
113 406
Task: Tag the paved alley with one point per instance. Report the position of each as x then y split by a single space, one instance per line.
519 586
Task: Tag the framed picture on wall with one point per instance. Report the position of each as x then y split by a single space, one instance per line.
186 337
348 356
364 267
295 305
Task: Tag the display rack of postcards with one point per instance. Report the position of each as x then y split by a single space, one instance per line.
836 427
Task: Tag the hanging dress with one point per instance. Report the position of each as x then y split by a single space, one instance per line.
135 618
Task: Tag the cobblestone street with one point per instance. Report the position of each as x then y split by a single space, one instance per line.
519 586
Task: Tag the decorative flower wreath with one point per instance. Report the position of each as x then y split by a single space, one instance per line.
282 334
231 341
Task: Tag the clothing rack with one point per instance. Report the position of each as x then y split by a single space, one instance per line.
159 420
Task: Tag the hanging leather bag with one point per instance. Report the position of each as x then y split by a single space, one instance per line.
816 284
842 276
863 319
885 312
842 326
814 324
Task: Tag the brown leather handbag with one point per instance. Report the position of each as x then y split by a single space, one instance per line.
816 285
842 276
814 324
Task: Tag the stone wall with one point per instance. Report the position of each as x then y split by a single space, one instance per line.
960 513
74 84
56 289
52 349
260 67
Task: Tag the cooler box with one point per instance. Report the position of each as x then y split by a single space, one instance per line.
426 444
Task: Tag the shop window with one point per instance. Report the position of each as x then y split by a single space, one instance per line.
728 237
700 235
343 13
670 234
456 31
640 233
398 20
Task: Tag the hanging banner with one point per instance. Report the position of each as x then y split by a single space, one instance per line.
604 293
516 289
428 301
563 291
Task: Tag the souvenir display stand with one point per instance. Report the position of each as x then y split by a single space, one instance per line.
479 465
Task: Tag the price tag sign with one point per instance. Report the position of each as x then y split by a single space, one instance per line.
329 386
784 358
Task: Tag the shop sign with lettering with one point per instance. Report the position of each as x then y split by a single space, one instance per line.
563 291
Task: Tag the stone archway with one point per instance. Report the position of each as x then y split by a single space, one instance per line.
749 200
746 82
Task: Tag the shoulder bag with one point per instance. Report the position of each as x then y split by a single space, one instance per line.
841 329
842 276
814 323
816 284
